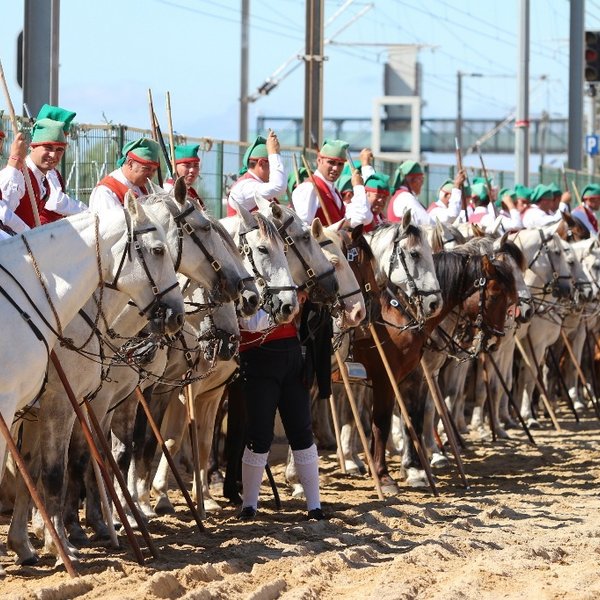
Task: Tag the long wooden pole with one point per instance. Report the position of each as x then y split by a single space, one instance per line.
36 497
361 431
165 449
338 436
191 410
25 170
171 137
445 416
404 411
96 453
154 132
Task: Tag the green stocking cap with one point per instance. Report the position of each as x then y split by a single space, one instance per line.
447 186
334 149
144 151
503 192
258 149
408 167
292 183
591 190
48 131
480 190
541 192
344 182
555 189
56 113
522 191
187 153
378 182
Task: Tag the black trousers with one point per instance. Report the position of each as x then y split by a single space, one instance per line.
272 379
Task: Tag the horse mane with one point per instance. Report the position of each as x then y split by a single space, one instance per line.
227 239
267 226
510 248
154 198
412 232
584 231
456 268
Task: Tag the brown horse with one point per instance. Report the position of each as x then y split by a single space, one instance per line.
480 287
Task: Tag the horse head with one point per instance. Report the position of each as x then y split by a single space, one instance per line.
309 266
405 261
263 252
350 299
145 271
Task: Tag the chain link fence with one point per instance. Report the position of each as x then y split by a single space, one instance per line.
93 152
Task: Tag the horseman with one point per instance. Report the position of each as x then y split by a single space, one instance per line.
590 203
438 210
407 183
539 212
377 187
510 217
48 144
482 212
262 173
307 200
187 165
138 162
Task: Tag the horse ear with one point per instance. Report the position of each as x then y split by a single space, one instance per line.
406 219
437 239
244 214
489 270
477 231
133 207
499 243
276 211
262 203
336 226
316 228
357 232
154 189
568 219
180 190
260 219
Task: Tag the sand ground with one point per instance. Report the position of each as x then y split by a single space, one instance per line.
528 527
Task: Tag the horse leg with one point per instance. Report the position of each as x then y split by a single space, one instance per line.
18 537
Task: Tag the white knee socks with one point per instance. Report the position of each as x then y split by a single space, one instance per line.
253 469
307 467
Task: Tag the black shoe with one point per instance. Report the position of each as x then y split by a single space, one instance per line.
247 514
316 514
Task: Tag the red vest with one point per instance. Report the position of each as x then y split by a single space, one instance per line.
477 217
118 188
391 215
334 210
376 222
247 175
24 210
191 192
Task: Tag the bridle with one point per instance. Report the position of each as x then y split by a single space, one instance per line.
312 278
550 286
133 242
267 291
415 295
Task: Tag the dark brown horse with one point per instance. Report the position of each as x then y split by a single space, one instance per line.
480 287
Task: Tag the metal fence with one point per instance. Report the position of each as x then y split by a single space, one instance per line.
93 151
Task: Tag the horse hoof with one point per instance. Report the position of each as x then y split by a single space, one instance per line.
578 405
164 507
72 557
533 424
297 491
416 478
211 505
101 535
78 537
388 486
439 461
147 510
29 561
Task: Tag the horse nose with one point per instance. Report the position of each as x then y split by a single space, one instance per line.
287 309
432 304
173 322
250 302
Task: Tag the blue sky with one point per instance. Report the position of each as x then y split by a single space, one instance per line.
112 51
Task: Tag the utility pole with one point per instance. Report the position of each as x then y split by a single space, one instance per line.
522 118
576 59
245 42
40 53
313 78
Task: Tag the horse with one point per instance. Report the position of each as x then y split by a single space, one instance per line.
481 286
198 251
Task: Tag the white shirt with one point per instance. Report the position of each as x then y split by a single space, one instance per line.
446 214
406 200
13 187
534 217
306 202
103 198
244 191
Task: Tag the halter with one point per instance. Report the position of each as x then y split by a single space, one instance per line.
550 286
338 305
268 292
313 278
132 240
416 294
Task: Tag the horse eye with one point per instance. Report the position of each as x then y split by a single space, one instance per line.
157 251
262 249
306 237
414 254
206 227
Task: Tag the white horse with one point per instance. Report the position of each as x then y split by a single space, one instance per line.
199 252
